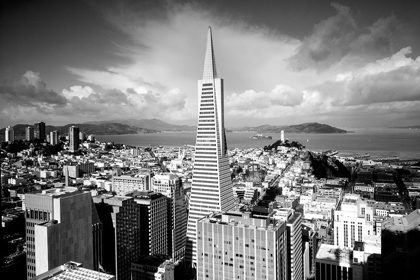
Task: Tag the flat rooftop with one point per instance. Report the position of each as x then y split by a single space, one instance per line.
409 222
334 253
72 270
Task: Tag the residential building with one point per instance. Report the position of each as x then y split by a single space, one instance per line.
211 184
29 133
9 134
241 245
73 139
54 137
39 130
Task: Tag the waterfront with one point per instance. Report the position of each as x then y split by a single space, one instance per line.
403 143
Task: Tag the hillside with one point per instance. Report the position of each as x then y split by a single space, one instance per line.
99 129
299 128
150 124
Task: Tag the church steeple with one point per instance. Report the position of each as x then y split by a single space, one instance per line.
209 61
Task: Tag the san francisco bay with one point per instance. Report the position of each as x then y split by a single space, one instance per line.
403 143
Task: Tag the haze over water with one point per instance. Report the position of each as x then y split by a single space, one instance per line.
403 143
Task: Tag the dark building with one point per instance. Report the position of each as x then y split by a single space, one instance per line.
39 130
310 236
121 233
387 193
401 247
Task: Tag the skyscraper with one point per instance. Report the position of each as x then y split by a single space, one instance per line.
54 137
211 184
9 134
170 185
74 138
57 220
29 133
241 245
39 130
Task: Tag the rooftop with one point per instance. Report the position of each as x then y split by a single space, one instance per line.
409 222
73 270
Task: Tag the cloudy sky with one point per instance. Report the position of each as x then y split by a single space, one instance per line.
352 63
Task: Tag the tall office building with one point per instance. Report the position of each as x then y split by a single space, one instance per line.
153 222
39 130
170 185
29 133
293 222
54 137
353 220
73 138
241 245
120 219
9 134
401 247
211 184
58 229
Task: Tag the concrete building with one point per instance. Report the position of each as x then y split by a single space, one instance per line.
156 267
333 262
82 136
54 137
353 220
57 220
29 133
241 245
73 139
124 184
39 130
293 222
401 247
9 134
153 222
73 271
211 184
120 217
170 185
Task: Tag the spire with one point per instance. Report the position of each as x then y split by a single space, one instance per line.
209 61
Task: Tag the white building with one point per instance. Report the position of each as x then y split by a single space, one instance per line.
9 134
211 185
353 220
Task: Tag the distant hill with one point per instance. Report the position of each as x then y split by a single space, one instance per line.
299 128
99 129
150 124
408 127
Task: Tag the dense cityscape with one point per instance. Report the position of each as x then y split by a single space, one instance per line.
77 208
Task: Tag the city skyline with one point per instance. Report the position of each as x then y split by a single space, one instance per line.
347 64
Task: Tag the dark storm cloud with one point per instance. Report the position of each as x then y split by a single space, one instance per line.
340 36
29 91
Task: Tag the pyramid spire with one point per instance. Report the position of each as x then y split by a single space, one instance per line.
209 61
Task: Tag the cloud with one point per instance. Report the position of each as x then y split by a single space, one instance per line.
392 79
29 91
281 95
340 38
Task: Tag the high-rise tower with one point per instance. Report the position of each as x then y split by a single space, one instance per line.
211 185
74 138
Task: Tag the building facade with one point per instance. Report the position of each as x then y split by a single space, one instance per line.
211 184
73 139
120 218
39 130
153 222
9 134
241 245
124 184
58 229
29 133
54 137
170 186
353 220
